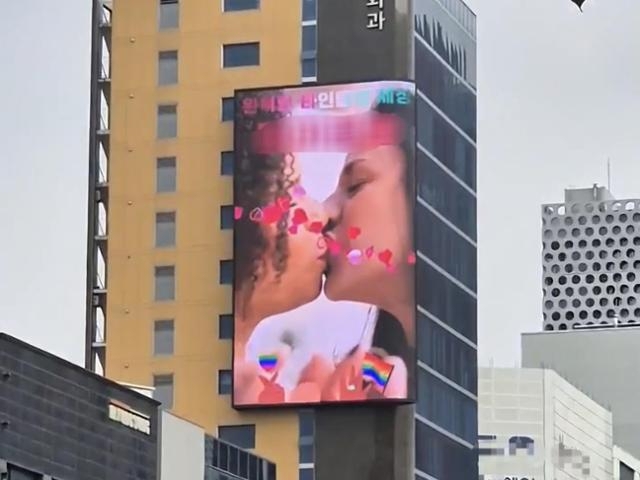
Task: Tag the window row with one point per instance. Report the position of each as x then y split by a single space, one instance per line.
167 117
445 195
165 279
447 354
169 11
164 333
165 226
164 390
223 457
166 171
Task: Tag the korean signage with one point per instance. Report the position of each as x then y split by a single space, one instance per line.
375 14
324 308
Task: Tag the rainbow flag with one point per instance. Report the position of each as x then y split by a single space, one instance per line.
376 370
268 362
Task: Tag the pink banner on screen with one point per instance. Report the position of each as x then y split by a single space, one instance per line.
325 133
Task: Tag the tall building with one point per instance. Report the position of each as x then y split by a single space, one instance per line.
536 425
600 362
160 219
591 260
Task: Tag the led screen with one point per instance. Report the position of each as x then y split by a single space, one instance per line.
324 308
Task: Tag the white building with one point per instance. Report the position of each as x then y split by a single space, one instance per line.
625 465
534 425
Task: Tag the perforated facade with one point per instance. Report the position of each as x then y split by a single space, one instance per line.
591 260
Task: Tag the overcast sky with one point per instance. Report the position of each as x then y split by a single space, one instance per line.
558 93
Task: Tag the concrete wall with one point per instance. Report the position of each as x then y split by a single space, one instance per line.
182 449
602 363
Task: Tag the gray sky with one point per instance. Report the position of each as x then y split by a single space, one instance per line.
558 93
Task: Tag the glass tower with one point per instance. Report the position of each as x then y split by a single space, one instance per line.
444 42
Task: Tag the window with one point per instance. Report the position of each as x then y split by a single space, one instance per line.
224 382
167 121
16 473
306 429
169 14
163 335
166 175
163 392
309 68
243 436
306 474
225 326
447 458
241 55
165 283
226 272
226 217
626 473
228 109
226 163
238 5
166 229
168 67
309 43
309 10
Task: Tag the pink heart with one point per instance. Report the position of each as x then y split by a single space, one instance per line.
293 229
411 259
368 252
237 213
298 191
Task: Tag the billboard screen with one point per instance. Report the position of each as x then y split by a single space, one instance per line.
324 308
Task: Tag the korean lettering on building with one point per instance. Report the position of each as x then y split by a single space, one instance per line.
375 14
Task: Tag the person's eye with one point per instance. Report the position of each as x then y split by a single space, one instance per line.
355 187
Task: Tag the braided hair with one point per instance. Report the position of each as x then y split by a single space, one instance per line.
259 180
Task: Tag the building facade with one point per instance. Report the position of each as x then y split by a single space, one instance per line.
161 214
535 425
625 465
591 257
600 362
59 421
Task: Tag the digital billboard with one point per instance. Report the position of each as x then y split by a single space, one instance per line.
324 193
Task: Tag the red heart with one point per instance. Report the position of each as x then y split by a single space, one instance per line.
237 213
353 232
385 256
284 203
293 229
299 216
368 252
411 259
334 247
316 227
271 214
256 215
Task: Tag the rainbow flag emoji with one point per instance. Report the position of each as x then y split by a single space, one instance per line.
268 362
376 370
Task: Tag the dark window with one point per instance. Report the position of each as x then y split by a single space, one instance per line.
165 229
165 283
238 5
446 144
244 436
224 382
446 458
226 272
306 425
228 109
445 90
309 42
166 175
446 196
168 68
447 407
446 248
226 217
626 472
241 55
167 121
306 474
226 162
225 326
309 10
447 301
163 390
163 337
447 354
169 15
16 473
309 68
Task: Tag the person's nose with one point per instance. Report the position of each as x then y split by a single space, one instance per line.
317 213
331 209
